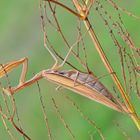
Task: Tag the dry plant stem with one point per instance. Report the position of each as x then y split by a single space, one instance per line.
91 122
11 120
122 131
58 3
110 70
123 9
6 127
108 66
44 112
61 34
62 120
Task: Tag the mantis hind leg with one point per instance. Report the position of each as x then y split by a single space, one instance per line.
6 68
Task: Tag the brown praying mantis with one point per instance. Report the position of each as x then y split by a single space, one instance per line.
84 84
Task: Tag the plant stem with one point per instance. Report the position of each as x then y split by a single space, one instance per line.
110 70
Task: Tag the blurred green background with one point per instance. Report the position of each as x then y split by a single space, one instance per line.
21 36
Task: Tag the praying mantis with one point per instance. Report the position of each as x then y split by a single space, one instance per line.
84 84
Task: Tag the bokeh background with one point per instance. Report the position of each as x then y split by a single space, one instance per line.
21 36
